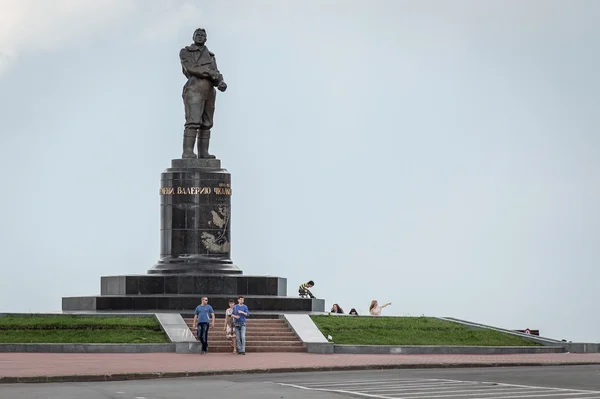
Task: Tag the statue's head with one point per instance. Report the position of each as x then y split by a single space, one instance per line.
199 36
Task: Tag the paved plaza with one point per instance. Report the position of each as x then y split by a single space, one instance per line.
39 367
552 382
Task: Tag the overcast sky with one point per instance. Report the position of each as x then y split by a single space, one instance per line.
441 155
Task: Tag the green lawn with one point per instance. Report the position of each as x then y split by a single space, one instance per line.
356 330
81 329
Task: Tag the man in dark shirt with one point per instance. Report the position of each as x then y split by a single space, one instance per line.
201 315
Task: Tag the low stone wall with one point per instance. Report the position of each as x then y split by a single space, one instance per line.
581 347
444 350
87 348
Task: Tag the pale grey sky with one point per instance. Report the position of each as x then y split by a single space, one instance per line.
441 155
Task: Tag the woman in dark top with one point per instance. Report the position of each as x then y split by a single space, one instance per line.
336 309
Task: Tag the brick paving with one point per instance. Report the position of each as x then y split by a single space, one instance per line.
85 364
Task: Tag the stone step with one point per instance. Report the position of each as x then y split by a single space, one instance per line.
262 330
221 324
221 327
266 335
253 344
263 322
263 349
248 321
262 335
255 339
253 332
274 338
250 326
268 331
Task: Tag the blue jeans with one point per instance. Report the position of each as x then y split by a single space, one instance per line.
240 337
203 335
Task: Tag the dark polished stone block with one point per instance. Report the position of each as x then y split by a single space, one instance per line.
192 163
145 302
132 285
242 285
230 287
253 285
171 284
173 303
186 285
188 303
208 283
193 284
151 285
113 302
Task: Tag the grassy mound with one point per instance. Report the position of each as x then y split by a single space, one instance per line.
356 330
73 329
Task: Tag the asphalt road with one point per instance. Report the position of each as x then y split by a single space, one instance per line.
563 382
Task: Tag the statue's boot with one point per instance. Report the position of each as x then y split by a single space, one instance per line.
189 139
203 141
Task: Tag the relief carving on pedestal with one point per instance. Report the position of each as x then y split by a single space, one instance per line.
218 243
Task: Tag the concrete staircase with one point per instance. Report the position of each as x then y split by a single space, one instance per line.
262 335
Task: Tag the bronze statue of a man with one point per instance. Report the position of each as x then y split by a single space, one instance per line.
199 66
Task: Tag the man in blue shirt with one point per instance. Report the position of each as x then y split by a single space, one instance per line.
239 313
201 318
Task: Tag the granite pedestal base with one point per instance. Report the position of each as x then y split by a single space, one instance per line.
184 292
187 303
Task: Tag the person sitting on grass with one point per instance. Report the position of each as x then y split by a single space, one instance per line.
304 290
336 309
375 309
353 312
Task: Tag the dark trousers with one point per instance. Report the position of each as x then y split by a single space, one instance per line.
203 335
199 105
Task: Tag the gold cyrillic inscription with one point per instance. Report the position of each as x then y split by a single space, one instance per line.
195 190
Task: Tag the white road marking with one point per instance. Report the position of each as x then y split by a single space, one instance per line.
333 390
337 382
461 393
423 386
392 383
439 388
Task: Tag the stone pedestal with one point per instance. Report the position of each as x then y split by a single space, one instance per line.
195 248
195 218
183 292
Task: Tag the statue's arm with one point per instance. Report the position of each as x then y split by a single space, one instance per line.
192 68
220 79
219 82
